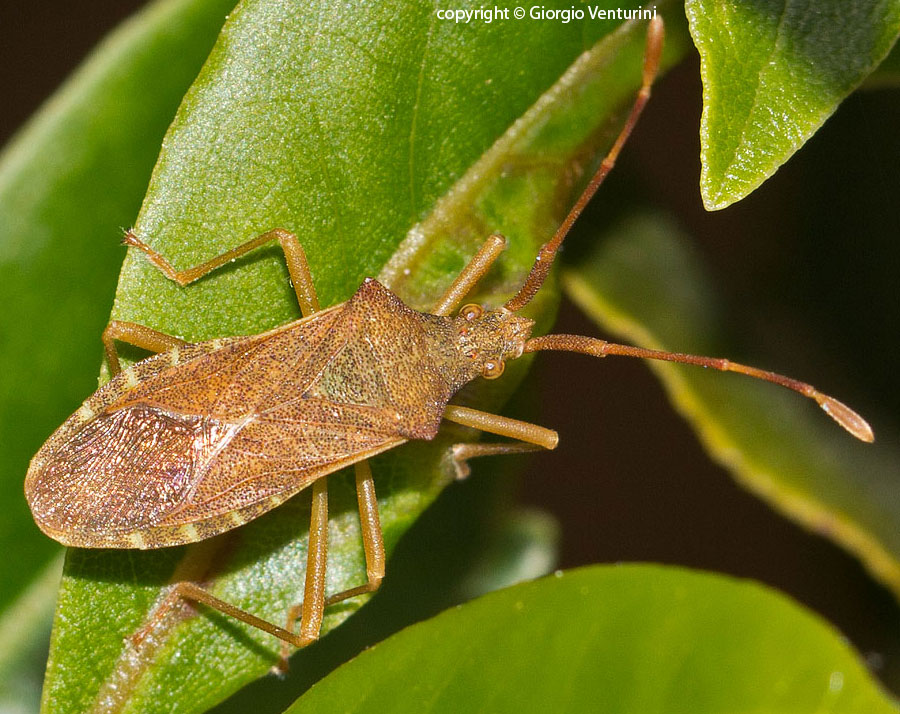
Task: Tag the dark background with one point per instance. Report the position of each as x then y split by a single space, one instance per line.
807 266
816 252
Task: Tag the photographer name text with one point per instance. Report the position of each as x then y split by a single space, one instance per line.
488 15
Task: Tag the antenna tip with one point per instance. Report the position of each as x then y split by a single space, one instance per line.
846 417
656 32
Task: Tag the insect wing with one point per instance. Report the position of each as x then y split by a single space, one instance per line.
177 451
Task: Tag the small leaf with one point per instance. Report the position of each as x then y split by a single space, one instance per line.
772 73
352 126
888 72
645 284
633 638
525 547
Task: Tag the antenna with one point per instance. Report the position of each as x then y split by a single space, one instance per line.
838 411
544 260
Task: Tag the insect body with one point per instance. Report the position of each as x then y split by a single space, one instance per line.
202 438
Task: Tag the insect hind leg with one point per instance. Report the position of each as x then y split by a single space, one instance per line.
312 609
310 612
187 590
373 545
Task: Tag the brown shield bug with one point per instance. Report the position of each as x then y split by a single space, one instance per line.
201 438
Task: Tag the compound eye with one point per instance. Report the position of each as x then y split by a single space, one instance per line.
471 312
493 368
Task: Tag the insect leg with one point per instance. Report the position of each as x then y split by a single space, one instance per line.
137 335
461 453
187 590
470 275
293 254
314 603
529 437
311 610
546 255
373 541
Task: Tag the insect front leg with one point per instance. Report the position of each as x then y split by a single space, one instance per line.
529 437
470 275
294 256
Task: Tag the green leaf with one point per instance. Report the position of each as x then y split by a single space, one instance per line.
68 182
645 284
773 71
633 638
352 126
888 73
465 544
24 628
